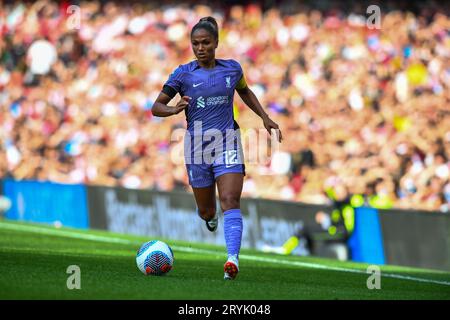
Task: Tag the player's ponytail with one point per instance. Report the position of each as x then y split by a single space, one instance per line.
209 24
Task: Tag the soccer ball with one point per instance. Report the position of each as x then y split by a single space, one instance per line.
154 258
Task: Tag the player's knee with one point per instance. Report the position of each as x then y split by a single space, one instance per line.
207 213
229 201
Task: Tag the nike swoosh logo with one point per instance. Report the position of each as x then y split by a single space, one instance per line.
197 84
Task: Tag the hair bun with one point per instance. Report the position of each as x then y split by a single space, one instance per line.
209 24
210 20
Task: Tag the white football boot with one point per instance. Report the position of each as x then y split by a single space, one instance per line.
212 224
231 267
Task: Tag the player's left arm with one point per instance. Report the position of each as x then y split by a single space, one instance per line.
252 102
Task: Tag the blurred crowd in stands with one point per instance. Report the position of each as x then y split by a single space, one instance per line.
362 110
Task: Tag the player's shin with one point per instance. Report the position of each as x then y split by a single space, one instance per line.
233 231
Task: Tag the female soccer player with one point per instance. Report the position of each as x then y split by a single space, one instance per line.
206 87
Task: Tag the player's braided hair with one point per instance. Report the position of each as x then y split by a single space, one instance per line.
209 24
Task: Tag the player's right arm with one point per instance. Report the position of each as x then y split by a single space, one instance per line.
172 86
161 109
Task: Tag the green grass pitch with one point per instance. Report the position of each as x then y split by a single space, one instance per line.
34 259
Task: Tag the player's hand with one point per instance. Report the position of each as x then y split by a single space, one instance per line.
182 104
269 124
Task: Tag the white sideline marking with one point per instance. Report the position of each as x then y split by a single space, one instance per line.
80 235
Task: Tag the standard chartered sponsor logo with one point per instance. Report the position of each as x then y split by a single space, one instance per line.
211 101
200 102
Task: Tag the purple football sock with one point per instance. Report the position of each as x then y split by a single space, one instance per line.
233 230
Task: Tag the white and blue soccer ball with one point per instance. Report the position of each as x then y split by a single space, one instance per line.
154 258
